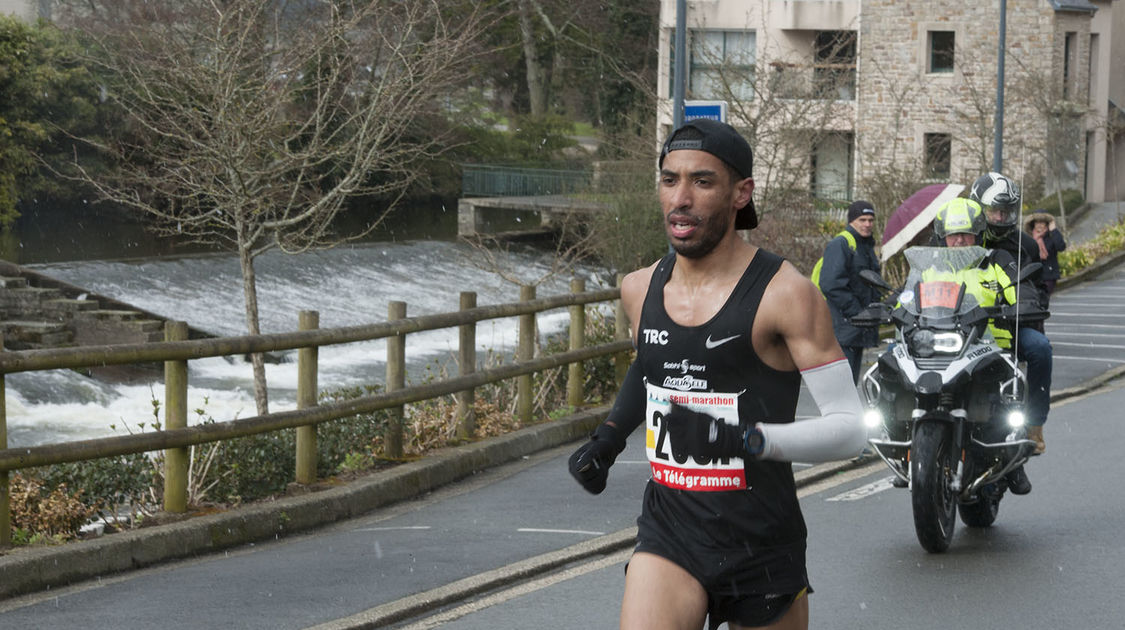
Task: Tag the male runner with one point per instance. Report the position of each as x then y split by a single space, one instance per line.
724 333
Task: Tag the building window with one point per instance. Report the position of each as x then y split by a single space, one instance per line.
832 173
941 47
1091 88
834 64
1070 52
938 148
721 65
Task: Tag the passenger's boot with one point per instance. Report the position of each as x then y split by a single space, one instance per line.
1018 482
1036 433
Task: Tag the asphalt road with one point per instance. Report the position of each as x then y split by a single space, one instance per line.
1052 560
1053 553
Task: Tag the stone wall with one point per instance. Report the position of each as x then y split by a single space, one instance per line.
900 101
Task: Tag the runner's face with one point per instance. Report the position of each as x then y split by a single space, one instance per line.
698 199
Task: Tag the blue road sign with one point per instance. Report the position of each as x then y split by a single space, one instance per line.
715 110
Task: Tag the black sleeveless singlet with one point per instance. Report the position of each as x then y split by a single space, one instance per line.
734 521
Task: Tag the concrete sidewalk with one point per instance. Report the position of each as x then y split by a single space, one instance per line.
1092 218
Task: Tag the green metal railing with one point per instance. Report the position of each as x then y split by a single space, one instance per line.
485 180
177 350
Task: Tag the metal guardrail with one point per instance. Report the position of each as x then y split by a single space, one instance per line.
176 436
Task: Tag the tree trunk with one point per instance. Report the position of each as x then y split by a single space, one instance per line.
1062 212
250 292
536 87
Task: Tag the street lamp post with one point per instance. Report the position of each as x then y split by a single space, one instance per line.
998 132
678 72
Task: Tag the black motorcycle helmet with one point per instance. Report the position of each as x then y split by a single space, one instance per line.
999 196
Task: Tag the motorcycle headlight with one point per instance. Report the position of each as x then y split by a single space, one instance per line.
872 418
922 343
948 342
1015 418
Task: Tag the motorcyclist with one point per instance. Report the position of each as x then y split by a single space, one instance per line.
959 223
999 196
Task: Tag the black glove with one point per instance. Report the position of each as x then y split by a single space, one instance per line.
589 465
695 433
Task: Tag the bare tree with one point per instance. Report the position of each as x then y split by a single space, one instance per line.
255 121
787 107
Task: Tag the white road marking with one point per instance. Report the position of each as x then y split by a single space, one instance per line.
1070 326
1087 345
391 529
1083 314
835 480
535 530
1070 358
1059 333
863 492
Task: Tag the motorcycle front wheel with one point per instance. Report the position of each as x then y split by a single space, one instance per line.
931 471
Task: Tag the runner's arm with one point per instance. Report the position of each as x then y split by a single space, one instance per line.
837 434
800 317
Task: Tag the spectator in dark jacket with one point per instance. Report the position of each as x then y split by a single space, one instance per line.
839 281
1041 227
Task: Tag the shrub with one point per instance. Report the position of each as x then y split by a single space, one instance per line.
43 513
1111 239
113 487
1072 199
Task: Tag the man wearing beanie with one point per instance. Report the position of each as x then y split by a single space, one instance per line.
844 257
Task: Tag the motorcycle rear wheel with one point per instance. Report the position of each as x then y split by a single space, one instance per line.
932 496
982 512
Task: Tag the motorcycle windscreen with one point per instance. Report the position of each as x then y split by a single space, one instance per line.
935 280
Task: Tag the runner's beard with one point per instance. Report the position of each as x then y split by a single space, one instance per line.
707 236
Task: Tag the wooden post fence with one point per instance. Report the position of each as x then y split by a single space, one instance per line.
306 397
396 380
525 351
176 460
575 375
467 364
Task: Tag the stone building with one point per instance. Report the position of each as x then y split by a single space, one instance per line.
840 96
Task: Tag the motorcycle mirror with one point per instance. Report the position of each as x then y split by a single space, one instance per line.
873 278
1025 272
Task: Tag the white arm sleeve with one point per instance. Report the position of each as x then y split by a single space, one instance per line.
837 434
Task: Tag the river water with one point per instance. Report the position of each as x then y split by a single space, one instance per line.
348 285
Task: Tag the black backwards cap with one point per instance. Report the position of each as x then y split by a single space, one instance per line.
722 141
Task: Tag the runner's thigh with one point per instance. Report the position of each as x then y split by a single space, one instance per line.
660 595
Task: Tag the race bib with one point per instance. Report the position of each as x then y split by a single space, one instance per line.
700 474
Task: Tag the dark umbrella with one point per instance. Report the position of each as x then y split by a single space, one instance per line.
914 215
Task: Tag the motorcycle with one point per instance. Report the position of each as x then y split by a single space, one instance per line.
947 401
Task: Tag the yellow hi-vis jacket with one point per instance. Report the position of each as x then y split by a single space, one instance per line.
986 283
